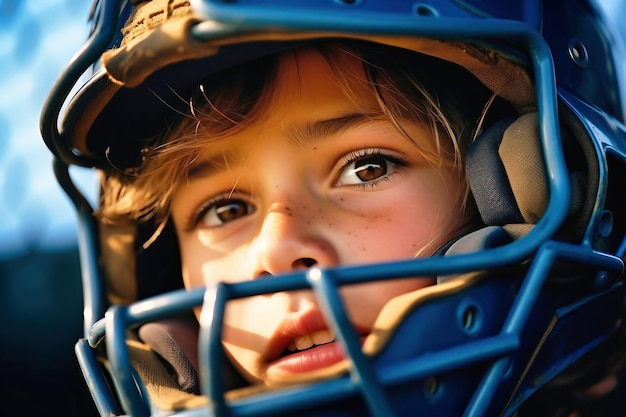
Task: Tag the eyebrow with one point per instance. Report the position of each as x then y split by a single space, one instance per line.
299 134
307 133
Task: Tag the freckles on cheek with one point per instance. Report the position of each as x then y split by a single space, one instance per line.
401 229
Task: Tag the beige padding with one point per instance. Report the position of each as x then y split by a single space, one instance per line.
521 155
117 257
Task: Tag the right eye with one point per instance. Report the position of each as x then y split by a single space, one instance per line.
223 211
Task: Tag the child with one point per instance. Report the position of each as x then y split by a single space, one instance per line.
330 151
330 154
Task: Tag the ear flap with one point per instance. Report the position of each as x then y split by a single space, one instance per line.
133 272
506 173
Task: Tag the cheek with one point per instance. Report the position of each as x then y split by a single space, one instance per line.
399 226
429 214
204 265
365 301
249 324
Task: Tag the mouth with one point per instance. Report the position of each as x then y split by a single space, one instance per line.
303 343
305 356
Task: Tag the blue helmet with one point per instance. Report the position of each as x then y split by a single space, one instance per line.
528 308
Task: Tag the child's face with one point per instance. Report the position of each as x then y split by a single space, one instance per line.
314 182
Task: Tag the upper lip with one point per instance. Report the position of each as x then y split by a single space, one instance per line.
296 325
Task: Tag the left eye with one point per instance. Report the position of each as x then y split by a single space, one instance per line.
366 169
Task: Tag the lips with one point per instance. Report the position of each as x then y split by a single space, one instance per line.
302 343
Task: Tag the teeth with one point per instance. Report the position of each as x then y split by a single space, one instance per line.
323 336
303 342
307 341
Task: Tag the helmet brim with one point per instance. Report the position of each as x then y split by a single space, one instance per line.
146 84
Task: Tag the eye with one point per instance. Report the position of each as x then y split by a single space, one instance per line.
218 213
368 166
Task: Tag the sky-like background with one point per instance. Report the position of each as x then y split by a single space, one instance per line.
37 39
40 291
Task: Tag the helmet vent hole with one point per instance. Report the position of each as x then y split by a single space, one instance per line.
605 224
425 10
348 2
433 387
470 318
578 53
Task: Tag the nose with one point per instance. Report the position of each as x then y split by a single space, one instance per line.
289 241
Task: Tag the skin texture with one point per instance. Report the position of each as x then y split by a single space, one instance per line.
313 183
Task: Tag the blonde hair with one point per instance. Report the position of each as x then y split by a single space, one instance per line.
406 85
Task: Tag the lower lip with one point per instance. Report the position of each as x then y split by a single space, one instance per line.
309 360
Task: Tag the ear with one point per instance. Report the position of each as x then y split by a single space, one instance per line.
506 172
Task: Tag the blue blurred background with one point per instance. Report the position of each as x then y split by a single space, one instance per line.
40 290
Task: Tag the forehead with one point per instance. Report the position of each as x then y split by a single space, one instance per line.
310 96
315 80
309 92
